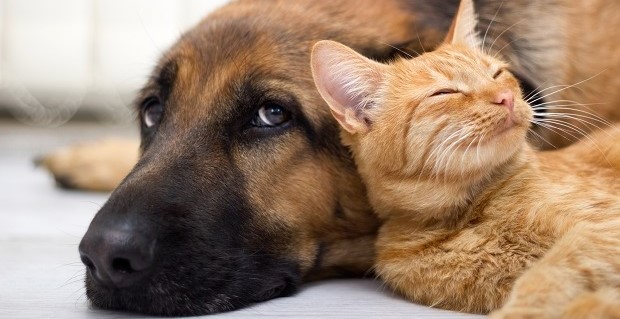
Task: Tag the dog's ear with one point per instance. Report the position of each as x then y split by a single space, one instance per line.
348 82
463 29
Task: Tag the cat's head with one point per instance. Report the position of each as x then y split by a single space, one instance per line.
450 113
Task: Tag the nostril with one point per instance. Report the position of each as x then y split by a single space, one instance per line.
505 98
507 103
89 263
122 265
117 257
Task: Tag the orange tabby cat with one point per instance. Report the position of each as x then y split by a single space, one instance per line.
475 219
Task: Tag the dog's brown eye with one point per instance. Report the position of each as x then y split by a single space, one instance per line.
444 92
271 115
152 113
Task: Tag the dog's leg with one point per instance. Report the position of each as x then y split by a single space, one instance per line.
97 166
575 279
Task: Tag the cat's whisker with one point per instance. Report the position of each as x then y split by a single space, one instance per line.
400 50
571 102
566 111
490 24
556 130
544 90
535 91
566 128
432 157
574 127
435 155
440 148
588 120
449 155
542 138
438 160
593 112
570 106
565 88
565 107
446 156
460 144
427 160
589 111
566 124
585 135
505 46
420 41
477 142
500 35
478 148
467 150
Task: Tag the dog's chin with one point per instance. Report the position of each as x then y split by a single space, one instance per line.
171 298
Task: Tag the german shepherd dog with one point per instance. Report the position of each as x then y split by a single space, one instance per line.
242 190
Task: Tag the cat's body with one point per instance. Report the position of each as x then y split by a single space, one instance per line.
471 262
474 218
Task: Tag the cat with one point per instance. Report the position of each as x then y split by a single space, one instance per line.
474 218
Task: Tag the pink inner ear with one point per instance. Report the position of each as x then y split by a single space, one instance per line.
332 73
344 79
337 91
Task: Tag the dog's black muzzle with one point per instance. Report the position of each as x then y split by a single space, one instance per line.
180 245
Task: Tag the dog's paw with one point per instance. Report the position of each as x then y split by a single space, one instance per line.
97 166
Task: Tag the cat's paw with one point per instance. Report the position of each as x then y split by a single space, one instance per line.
97 166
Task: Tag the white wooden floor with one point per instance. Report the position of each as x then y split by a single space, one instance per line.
40 227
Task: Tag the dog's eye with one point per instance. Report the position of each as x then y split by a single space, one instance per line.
271 115
444 92
152 112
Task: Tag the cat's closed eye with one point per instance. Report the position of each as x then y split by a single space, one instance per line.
498 73
444 92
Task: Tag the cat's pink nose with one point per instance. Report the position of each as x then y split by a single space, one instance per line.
505 98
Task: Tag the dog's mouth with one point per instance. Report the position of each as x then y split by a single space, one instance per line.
281 287
181 263
170 296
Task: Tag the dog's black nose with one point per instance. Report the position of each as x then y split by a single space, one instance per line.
117 257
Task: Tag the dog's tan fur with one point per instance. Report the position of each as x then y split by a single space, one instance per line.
306 194
574 46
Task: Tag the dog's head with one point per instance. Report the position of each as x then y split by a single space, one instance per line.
243 189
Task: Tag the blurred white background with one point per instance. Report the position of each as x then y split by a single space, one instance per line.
58 57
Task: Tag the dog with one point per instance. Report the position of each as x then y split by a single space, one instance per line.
242 189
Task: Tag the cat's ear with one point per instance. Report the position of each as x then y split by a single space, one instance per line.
463 29
347 81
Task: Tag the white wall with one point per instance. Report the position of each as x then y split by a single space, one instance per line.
57 56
